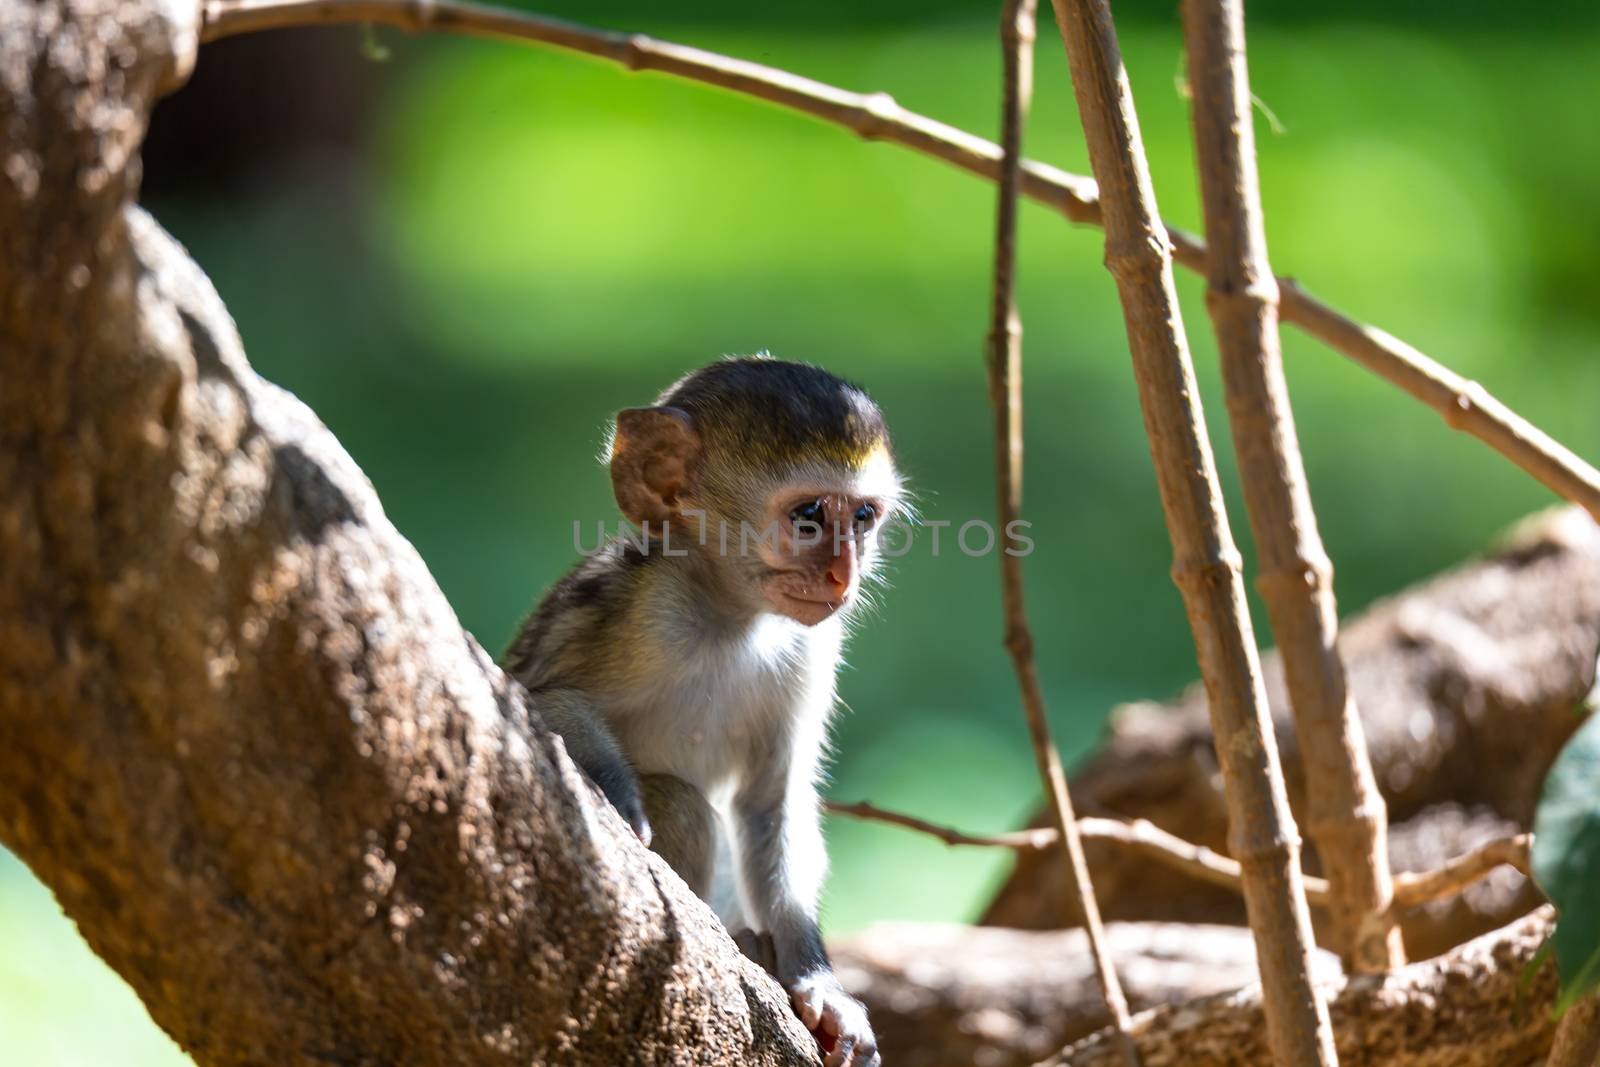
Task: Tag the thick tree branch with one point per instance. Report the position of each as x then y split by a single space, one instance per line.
1206 564
248 745
1464 404
1468 1009
954 996
959 996
1346 816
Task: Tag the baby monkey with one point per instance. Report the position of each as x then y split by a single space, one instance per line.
690 671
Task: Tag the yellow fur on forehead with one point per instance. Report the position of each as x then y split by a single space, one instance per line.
841 458
865 473
876 474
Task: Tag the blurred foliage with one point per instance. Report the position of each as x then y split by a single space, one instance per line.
533 240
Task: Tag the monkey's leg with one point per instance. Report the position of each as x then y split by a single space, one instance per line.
759 949
781 864
592 746
727 903
725 899
685 829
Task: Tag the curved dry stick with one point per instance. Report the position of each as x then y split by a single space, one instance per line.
1345 815
1464 404
1414 889
1003 360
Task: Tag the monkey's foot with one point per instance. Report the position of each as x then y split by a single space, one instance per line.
836 1019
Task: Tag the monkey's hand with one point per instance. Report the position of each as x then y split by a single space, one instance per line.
836 1019
638 823
621 786
631 808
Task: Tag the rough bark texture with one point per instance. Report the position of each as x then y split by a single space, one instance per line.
1206 564
953 996
246 741
1467 685
1467 1009
957 996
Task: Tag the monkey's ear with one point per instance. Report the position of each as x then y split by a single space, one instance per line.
653 458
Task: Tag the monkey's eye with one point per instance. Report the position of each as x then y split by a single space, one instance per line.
865 516
811 514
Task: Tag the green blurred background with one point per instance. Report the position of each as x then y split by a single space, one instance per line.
465 256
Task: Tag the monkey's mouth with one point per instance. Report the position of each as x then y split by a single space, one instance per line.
832 603
792 596
812 595
806 610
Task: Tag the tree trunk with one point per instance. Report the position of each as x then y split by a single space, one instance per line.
246 741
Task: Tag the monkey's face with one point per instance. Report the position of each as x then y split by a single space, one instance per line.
821 540
819 522
779 474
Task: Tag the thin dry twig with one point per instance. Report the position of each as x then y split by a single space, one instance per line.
1194 860
1346 815
1414 889
1577 1040
1464 404
1411 889
1206 565
1036 840
1003 352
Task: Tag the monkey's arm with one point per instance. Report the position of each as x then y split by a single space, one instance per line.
782 863
593 747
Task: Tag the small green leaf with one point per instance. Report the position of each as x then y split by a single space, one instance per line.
1566 859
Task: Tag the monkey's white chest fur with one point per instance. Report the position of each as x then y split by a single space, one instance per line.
732 699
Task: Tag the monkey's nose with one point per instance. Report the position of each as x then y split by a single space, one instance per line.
838 576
